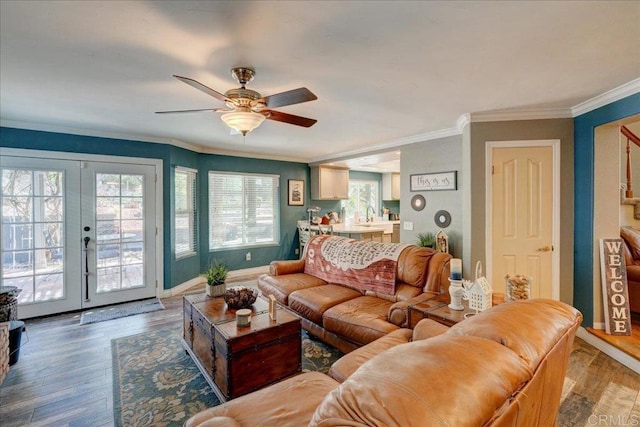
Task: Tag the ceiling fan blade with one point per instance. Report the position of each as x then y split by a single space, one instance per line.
203 88
294 96
288 118
187 111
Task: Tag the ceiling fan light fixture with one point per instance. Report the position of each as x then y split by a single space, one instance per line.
242 121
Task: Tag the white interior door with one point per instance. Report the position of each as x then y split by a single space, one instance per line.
118 232
522 217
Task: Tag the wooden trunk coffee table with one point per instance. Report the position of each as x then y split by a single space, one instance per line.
238 360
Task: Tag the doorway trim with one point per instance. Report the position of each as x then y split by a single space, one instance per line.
82 157
555 232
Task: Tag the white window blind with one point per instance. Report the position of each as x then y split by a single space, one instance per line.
185 212
243 210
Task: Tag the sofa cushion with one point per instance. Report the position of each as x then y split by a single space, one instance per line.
360 320
404 292
311 303
631 237
446 380
349 363
298 398
428 328
512 325
412 265
282 286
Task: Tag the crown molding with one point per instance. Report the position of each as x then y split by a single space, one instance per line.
98 133
423 137
252 155
616 94
140 138
463 121
514 115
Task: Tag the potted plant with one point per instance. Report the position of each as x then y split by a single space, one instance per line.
216 275
426 240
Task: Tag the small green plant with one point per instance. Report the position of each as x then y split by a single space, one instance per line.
426 240
216 273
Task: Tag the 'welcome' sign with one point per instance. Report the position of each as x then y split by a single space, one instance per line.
614 287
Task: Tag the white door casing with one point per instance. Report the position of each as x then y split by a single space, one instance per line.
523 214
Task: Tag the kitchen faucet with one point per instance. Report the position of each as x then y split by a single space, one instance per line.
373 212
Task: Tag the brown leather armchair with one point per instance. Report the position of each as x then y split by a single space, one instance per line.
631 238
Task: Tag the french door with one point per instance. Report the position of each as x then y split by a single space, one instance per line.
76 234
118 232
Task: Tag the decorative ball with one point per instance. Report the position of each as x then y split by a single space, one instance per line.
240 297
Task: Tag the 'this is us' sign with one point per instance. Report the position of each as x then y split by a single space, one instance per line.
614 287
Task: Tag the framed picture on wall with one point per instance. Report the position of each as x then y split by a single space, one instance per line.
296 192
434 181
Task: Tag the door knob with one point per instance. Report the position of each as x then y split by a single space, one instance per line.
545 249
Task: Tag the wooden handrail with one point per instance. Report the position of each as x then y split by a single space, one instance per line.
633 138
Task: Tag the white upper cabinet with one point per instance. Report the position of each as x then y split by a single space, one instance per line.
329 183
390 186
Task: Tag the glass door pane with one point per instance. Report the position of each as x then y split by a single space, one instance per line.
34 244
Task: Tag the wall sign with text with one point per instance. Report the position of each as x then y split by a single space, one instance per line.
434 181
615 294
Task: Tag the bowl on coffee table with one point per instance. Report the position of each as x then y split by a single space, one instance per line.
238 297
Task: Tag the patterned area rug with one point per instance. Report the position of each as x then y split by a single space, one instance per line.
155 383
121 310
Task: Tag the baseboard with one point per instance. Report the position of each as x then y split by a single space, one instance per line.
184 287
247 273
611 351
598 325
189 285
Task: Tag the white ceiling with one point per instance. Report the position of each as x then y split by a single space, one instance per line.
383 71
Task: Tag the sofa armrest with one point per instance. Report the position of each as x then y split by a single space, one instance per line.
427 328
399 312
279 268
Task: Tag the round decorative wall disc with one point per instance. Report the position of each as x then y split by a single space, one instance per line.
442 218
418 202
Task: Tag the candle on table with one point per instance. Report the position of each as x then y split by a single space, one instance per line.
456 269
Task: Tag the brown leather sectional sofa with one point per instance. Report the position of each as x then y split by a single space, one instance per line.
502 367
631 238
348 318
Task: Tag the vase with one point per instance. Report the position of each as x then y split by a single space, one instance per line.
215 290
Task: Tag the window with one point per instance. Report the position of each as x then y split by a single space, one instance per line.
362 195
243 210
185 212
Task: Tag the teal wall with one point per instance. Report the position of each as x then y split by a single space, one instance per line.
182 269
179 271
584 136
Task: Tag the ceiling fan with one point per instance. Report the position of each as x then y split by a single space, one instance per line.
246 108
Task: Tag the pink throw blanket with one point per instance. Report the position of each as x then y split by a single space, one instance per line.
362 265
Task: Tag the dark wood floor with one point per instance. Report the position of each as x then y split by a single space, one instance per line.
64 375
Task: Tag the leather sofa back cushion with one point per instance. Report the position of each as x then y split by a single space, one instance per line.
529 328
631 237
445 380
412 266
